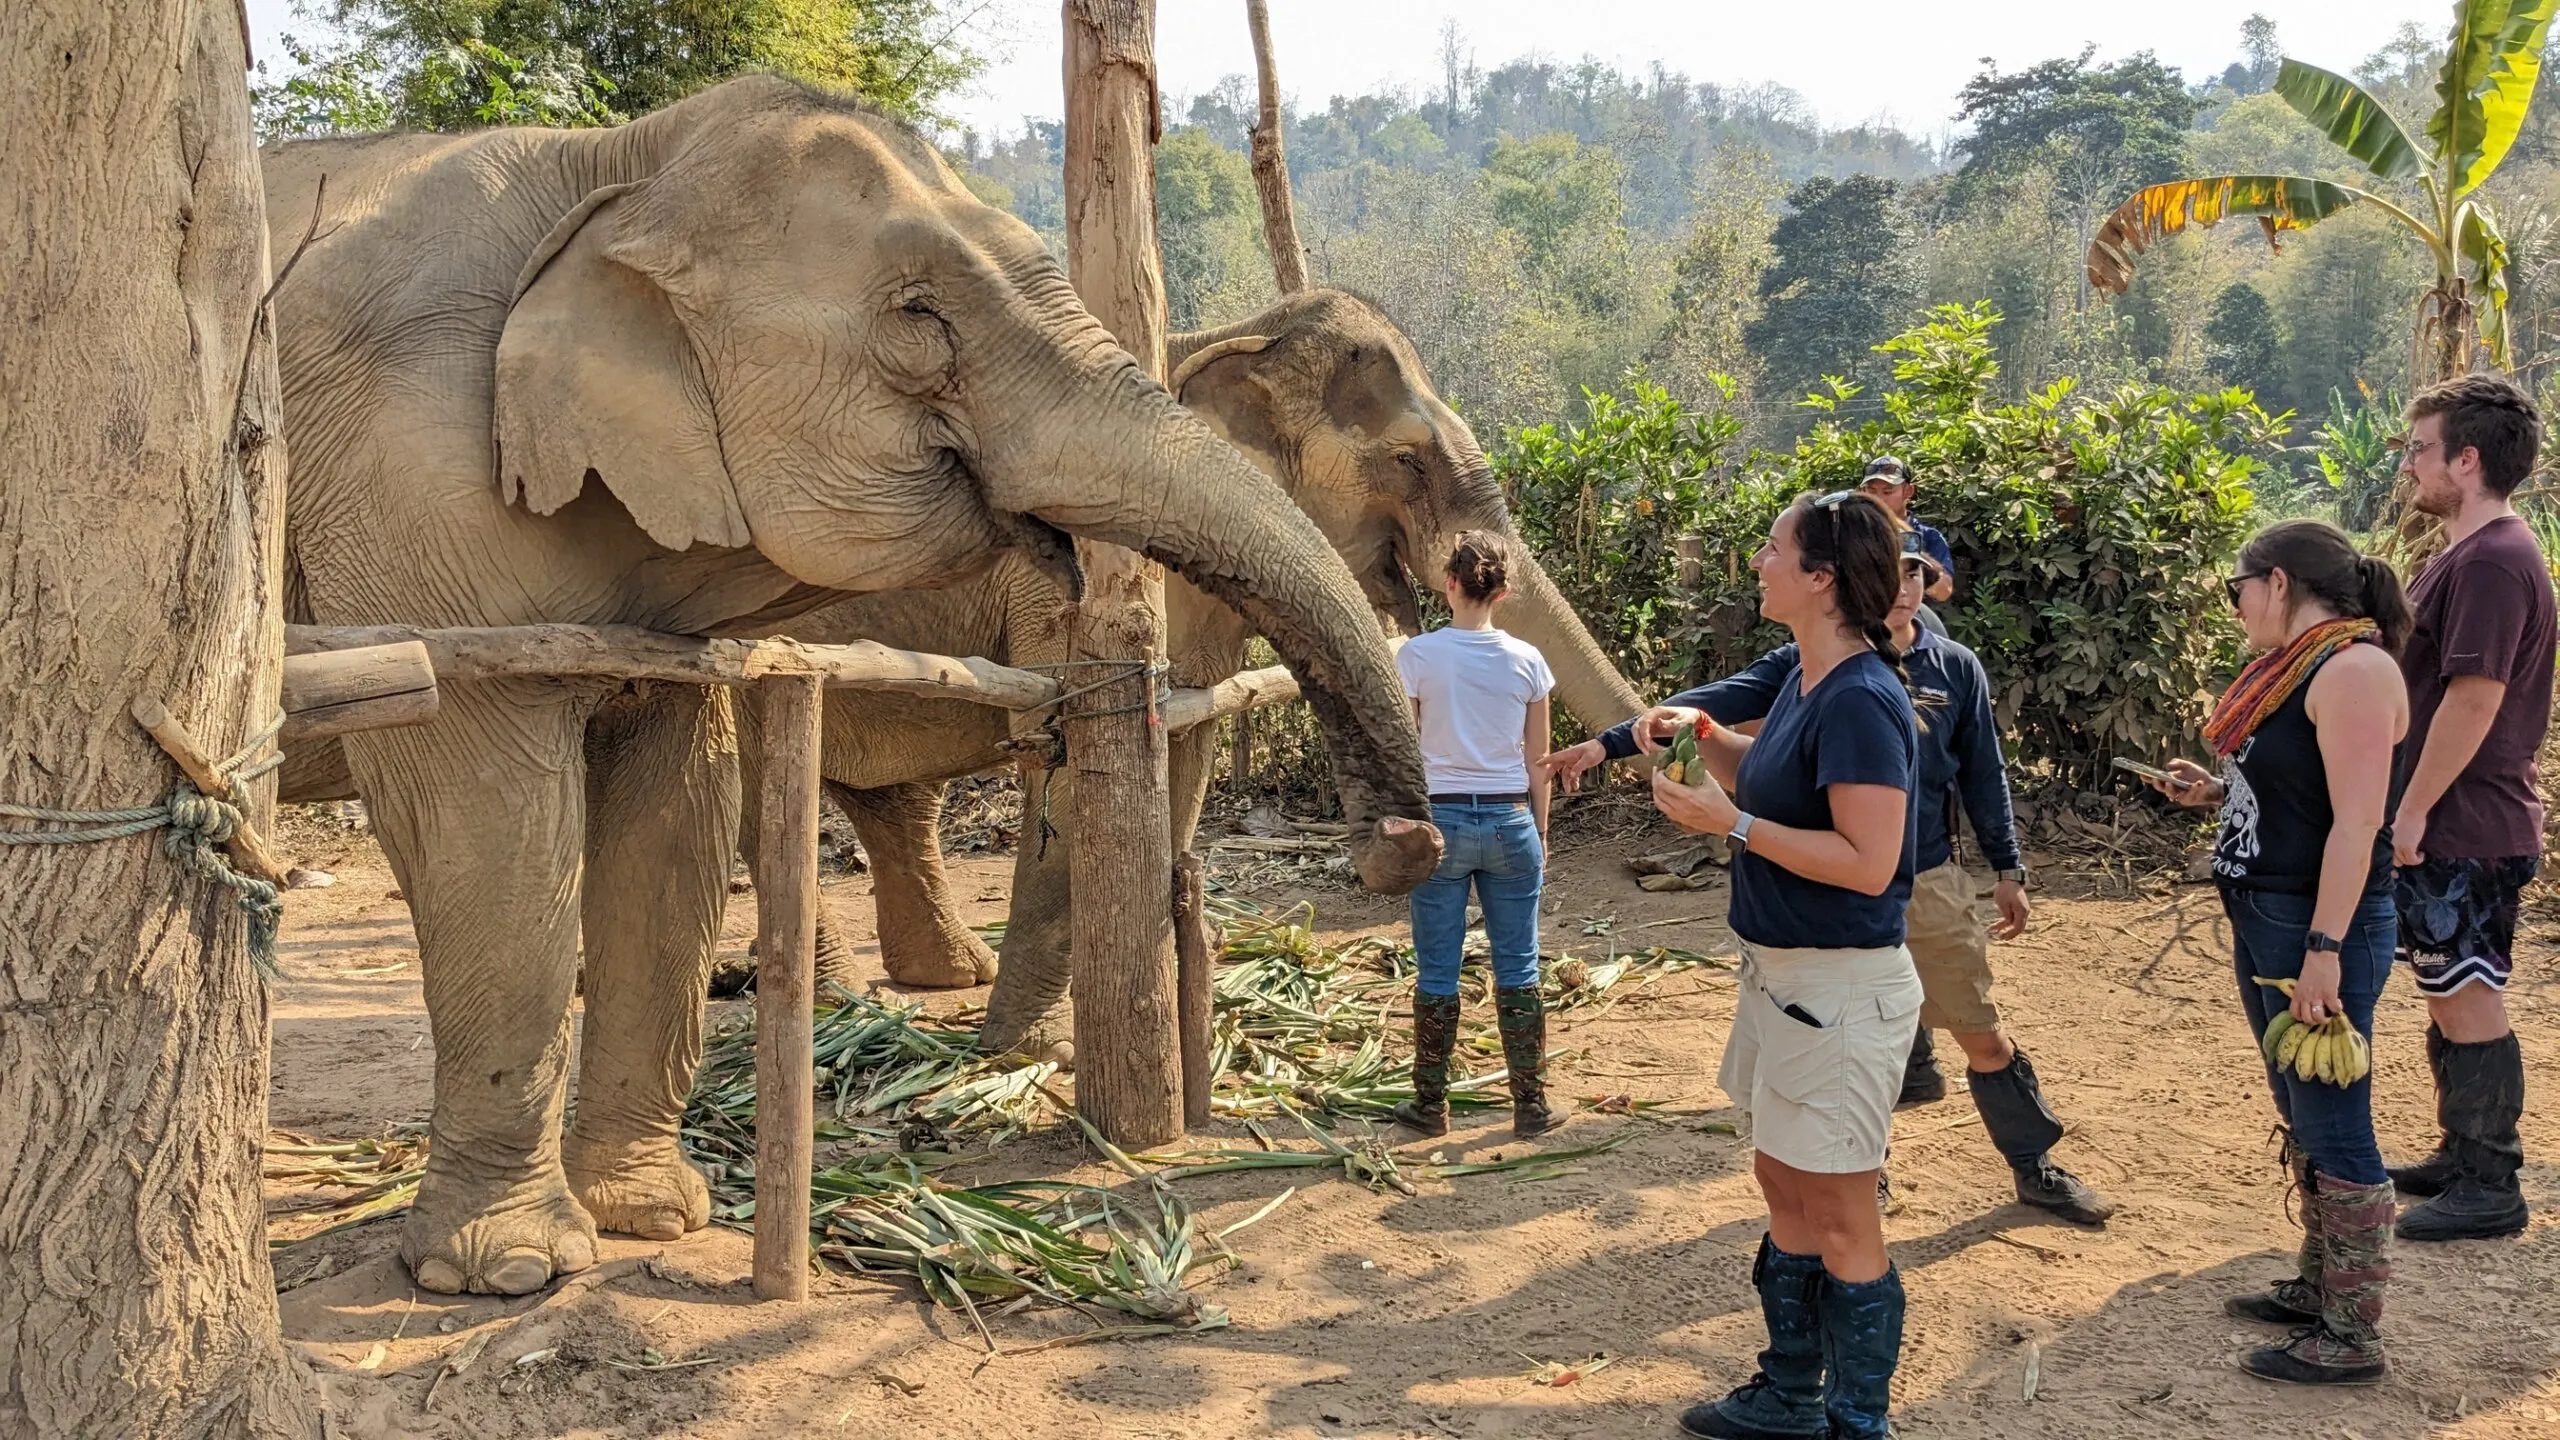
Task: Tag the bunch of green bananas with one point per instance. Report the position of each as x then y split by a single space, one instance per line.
2332 1052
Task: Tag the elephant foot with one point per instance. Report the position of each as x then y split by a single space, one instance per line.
642 1188
948 957
495 1237
836 964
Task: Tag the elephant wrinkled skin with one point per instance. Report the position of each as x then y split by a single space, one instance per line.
1326 395
701 373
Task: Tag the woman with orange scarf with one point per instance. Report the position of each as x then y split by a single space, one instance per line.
2309 737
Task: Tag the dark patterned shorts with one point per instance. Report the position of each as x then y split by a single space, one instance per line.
2458 920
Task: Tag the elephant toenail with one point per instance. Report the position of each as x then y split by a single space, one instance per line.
519 1272
441 1276
573 1252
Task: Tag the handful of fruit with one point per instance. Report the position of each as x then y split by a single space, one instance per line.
2332 1052
1679 760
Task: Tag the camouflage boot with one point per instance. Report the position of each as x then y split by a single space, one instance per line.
2294 1301
1435 1038
1522 1014
2344 1346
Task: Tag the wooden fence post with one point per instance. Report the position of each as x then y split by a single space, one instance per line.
1195 965
1129 1071
786 976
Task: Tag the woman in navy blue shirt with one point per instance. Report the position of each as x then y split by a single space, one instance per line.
1823 830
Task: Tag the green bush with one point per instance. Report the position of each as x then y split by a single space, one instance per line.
2090 533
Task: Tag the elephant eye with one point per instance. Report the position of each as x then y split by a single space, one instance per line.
1410 461
918 305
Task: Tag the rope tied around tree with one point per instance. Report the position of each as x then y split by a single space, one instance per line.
197 826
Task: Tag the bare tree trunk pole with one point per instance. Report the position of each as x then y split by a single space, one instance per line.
786 979
1195 967
1271 161
1129 1067
141 547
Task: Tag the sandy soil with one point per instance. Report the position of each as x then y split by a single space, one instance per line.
1361 1314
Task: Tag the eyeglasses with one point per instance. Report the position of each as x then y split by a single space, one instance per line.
2410 450
2231 585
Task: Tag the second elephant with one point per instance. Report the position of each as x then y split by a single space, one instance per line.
1327 396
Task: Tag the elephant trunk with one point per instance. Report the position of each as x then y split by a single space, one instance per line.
1590 687
1109 455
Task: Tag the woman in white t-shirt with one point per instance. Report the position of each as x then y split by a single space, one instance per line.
1480 698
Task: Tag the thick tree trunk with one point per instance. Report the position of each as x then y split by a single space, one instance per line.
141 534
1271 161
1129 1075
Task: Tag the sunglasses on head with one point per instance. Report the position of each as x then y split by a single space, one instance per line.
1835 499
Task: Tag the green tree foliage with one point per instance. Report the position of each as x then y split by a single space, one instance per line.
2095 128
1208 229
2242 346
1843 280
453 64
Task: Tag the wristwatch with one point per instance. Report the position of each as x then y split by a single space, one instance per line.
2317 941
2010 876
1740 834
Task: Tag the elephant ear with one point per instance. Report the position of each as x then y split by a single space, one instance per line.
596 376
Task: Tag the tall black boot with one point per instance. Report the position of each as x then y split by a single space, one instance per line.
2023 1129
1922 1080
1861 1348
1784 1400
2430 1176
1435 1037
1521 1013
2484 1090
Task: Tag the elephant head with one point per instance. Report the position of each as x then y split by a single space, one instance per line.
776 320
1329 394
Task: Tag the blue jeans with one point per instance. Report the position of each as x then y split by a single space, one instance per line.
1496 847
2334 1124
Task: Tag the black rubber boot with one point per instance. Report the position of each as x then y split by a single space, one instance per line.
2429 1176
1435 1037
1861 1348
2296 1299
2484 1090
1784 1400
1521 1013
1922 1080
2023 1129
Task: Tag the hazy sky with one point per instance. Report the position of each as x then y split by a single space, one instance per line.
1854 59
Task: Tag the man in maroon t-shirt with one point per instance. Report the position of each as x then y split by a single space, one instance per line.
2468 835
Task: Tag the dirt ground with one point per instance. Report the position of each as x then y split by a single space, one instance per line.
1362 1314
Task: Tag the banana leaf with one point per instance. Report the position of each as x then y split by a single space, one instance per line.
2155 212
2487 81
2353 120
2484 264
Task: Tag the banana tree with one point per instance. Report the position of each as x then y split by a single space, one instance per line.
2481 92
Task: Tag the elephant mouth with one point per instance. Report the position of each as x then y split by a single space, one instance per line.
1388 582
1051 551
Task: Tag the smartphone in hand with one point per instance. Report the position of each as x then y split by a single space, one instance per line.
2149 773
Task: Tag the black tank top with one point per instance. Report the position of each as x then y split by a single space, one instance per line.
2276 815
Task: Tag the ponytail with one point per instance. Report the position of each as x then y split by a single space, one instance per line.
2385 601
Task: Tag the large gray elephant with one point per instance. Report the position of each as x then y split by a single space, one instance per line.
700 373
1326 394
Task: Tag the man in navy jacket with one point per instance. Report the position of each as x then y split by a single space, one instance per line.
1960 761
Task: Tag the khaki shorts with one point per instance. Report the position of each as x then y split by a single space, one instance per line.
1820 1096
1951 949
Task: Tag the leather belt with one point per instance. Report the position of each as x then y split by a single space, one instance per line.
1517 797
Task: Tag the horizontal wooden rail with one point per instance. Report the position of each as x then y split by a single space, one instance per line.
630 653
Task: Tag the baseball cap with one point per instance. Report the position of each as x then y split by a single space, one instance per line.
1887 467
1912 549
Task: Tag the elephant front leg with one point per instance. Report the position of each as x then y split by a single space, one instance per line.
922 941
662 821
480 816
1026 1010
